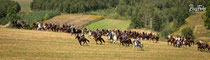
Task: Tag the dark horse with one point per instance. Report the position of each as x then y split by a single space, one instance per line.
97 38
127 42
202 46
76 31
80 40
15 24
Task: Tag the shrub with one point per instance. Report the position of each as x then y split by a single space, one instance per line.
188 32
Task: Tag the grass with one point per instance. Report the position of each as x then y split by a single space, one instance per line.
26 44
25 5
110 24
196 21
77 19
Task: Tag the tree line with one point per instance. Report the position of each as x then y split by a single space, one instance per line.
207 18
8 11
165 16
72 6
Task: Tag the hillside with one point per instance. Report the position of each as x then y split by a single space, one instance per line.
110 24
28 44
77 19
196 21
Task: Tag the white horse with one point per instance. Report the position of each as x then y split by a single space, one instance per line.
40 26
137 44
90 34
114 38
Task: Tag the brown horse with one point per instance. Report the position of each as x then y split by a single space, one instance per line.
80 40
202 47
127 42
155 38
15 24
25 25
98 38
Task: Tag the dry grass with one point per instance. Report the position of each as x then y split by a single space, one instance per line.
27 45
4 26
77 19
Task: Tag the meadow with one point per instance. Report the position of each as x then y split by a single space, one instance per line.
42 45
77 19
110 24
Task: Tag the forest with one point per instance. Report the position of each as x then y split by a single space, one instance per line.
8 11
152 14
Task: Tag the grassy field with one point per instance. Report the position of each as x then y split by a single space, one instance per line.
110 24
196 21
26 44
25 5
77 19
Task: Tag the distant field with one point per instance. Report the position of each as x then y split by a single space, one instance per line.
110 24
25 5
77 19
42 45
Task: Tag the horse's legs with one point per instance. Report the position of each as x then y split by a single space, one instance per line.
80 43
101 42
96 41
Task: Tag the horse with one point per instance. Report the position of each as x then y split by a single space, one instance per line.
76 31
155 38
138 44
202 46
80 40
97 38
127 42
16 24
25 25
187 43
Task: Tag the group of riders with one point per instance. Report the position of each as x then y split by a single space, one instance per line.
112 34
181 41
125 37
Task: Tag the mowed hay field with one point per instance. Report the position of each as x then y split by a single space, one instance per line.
76 19
25 5
110 24
27 44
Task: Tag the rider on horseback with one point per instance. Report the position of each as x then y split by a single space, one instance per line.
137 42
125 37
83 36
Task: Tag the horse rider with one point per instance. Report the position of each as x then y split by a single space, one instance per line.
201 42
110 35
83 36
99 33
89 33
136 42
72 28
125 37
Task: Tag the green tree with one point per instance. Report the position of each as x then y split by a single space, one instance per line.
157 23
187 32
207 18
12 13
